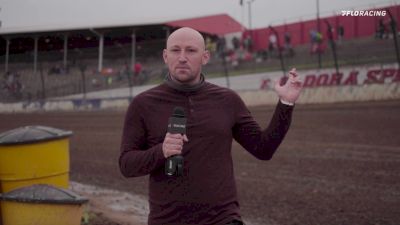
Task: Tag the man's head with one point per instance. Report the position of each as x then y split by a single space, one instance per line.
185 55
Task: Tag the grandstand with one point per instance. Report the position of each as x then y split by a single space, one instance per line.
78 65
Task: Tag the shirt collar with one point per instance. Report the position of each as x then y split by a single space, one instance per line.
184 87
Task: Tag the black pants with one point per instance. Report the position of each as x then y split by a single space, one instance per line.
235 222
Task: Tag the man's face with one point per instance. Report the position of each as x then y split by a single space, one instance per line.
185 54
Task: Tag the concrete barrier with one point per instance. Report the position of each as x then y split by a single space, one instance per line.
115 103
333 94
370 92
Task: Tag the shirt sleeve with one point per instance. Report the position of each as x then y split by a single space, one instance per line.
261 143
136 158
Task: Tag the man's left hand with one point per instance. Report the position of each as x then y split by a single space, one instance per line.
290 91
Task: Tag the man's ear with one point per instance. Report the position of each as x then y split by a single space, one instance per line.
206 57
165 56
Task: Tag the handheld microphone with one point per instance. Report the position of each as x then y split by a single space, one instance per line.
176 125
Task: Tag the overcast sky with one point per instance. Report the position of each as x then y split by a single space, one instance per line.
49 14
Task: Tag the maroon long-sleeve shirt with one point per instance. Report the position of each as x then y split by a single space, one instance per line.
206 193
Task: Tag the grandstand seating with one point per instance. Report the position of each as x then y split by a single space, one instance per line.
350 52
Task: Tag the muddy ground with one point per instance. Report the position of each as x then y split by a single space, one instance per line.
339 164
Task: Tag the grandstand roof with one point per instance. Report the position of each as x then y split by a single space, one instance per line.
217 24
26 16
214 24
83 25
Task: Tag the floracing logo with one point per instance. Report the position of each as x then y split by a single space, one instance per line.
363 12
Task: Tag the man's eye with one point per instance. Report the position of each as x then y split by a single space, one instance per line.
175 50
191 50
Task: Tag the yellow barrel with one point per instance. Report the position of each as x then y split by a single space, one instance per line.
41 204
34 155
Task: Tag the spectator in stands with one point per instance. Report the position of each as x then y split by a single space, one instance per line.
4 80
313 40
263 54
4 83
247 43
95 83
18 87
109 80
12 85
235 43
288 40
221 45
329 33
340 33
233 57
210 45
205 193
288 44
58 69
137 69
320 39
382 30
9 79
272 43
316 41
140 74
82 68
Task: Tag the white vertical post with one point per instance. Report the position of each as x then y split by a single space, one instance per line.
7 54
65 50
101 52
133 54
35 53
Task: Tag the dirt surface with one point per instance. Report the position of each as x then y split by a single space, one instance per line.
110 206
339 164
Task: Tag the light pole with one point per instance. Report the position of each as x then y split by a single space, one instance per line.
319 33
393 26
250 25
250 2
242 6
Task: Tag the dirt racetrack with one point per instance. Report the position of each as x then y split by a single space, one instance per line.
339 164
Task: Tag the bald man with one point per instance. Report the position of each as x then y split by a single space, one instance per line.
205 193
185 54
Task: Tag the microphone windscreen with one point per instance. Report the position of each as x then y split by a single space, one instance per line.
178 112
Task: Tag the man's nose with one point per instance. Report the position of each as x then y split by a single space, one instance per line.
182 56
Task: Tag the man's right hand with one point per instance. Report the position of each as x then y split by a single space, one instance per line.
173 144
